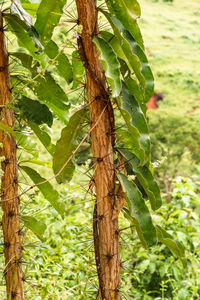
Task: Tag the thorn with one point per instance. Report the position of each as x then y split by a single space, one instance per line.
7 245
13 294
11 214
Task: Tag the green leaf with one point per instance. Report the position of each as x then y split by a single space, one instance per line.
48 16
128 49
26 35
34 111
35 225
145 178
78 69
16 8
65 146
138 212
110 64
23 140
127 11
43 137
37 162
62 62
46 189
27 143
146 70
135 91
48 91
175 246
31 8
136 124
25 59
115 44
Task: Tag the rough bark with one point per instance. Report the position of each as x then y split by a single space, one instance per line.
10 220
102 147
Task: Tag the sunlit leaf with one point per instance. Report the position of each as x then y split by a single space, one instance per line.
48 16
48 91
127 11
62 62
146 70
23 140
46 189
136 124
127 47
26 35
65 146
43 137
145 178
138 212
16 8
110 64
175 246
31 8
35 225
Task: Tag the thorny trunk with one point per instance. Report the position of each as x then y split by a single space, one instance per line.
106 235
10 220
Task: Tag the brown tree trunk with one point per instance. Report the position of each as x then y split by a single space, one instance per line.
10 220
107 241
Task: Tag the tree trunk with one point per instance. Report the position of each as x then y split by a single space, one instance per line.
107 237
10 220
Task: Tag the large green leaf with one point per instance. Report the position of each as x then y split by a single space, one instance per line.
130 82
145 178
35 225
110 64
16 8
135 91
48 16
78 69
31 8
146 70
127 47
23 140
25 59
37 162
43 137
175 246
34 111
62 62
48 91
112 40
138 212
136 124
127 11
46 189
26 35
65 146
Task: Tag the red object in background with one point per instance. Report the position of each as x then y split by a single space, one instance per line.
152 104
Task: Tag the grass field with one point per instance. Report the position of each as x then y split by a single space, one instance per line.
172 38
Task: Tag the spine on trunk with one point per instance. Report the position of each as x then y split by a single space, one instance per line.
9 184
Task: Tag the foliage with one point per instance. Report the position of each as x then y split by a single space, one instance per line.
175 140
39 75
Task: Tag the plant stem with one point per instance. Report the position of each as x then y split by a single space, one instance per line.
102 147
9 185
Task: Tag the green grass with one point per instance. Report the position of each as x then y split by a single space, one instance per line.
172 39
